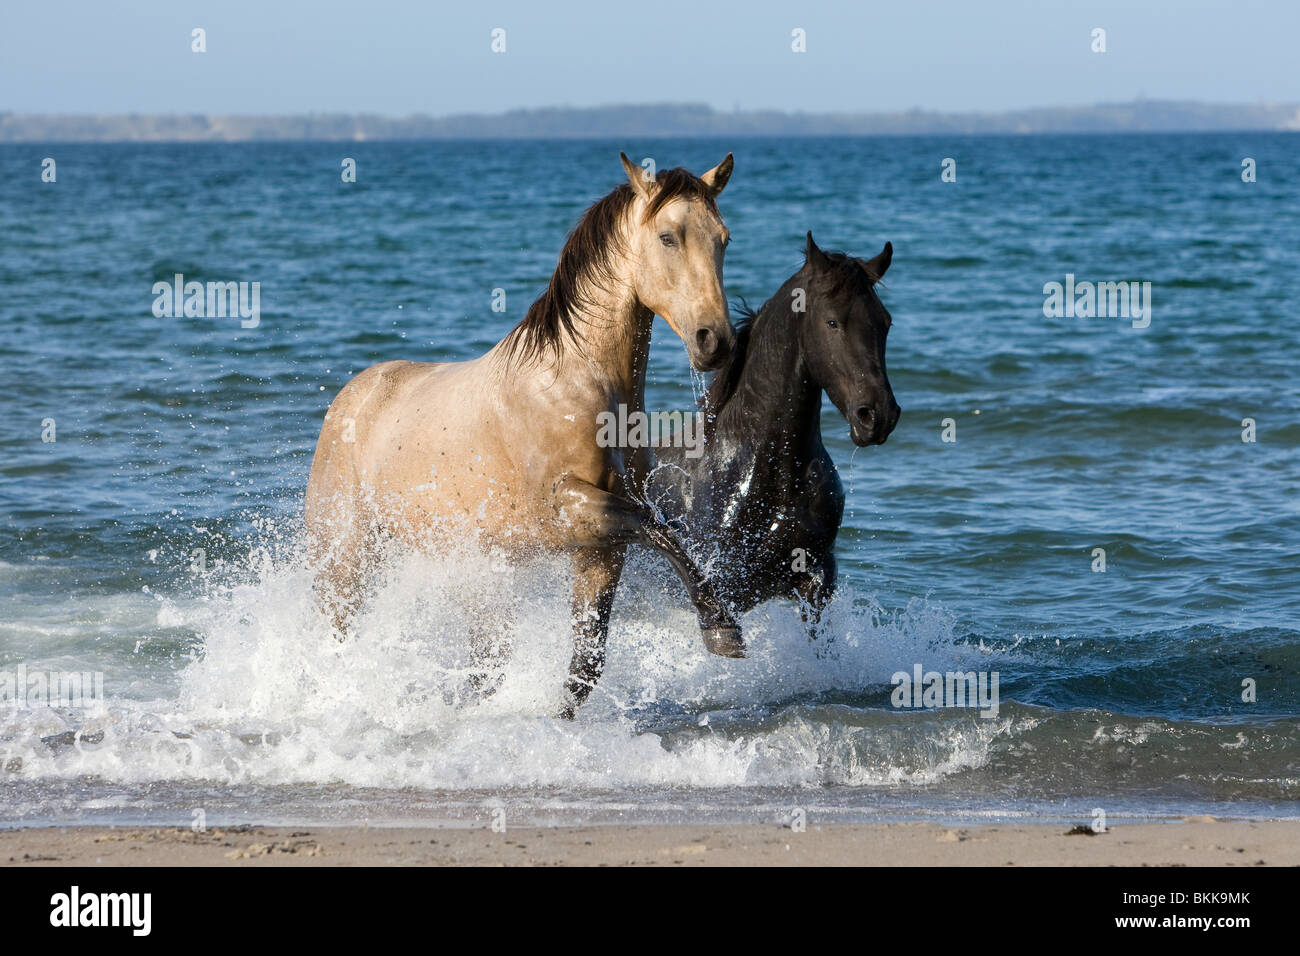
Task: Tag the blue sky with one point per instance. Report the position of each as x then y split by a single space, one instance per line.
398 57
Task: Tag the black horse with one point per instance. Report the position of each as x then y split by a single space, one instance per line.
765 492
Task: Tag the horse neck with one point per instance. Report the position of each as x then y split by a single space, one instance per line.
775 397
615 328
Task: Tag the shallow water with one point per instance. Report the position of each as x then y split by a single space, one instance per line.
1120 690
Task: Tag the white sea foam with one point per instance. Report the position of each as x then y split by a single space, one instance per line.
271 699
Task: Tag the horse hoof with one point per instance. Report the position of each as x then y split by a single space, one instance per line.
725 641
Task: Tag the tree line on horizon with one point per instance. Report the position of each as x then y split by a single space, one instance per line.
658 120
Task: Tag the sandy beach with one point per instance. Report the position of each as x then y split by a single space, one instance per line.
1191 842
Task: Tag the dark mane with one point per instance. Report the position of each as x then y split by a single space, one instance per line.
847 270
723 384
586 260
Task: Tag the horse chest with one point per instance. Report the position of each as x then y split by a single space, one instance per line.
767 517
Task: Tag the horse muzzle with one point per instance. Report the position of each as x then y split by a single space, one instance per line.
872 424
709 350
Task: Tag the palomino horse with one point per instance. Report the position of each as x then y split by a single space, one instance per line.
504 446
764 491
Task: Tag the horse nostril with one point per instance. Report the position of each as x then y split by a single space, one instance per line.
866 414
706 342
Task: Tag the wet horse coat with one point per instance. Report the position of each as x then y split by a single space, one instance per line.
503 447
765 492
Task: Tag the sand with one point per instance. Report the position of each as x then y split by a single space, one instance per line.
1201 841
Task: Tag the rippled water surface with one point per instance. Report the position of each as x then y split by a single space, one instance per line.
1121 690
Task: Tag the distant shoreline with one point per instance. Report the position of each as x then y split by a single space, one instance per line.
659 121
1201 841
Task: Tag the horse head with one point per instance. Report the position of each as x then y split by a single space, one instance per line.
677 239
843 337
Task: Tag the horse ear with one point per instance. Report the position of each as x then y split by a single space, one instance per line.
814 255
636 176
716 178
876 267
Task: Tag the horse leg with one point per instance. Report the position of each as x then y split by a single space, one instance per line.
814 592
491 643
336 552
599 519
718 626
595 579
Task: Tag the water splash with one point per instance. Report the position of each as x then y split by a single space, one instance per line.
268 697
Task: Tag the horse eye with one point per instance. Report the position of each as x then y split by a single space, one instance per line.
667 239
832 323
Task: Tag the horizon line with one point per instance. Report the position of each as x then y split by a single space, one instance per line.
667 119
